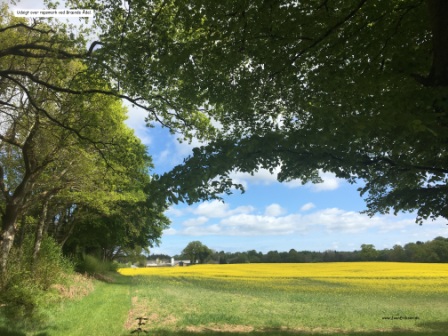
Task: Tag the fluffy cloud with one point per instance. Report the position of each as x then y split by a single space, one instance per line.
256 225
195 221
262 176
330 182
217 209
173 211
274 210
307 206
218 219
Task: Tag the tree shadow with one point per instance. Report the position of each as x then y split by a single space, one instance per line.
437 326
435 329
8 332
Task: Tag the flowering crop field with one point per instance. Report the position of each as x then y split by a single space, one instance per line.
336 277
324 297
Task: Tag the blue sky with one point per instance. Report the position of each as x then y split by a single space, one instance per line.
270 215
276 216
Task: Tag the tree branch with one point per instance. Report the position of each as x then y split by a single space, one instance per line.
329 31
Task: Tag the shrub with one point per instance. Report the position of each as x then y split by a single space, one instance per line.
25 286
93 266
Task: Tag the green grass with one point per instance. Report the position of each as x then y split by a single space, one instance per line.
189 306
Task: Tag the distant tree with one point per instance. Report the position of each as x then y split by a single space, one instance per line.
222 257
272 257
397 253
368 252
254 256
239 258
439 246
293 256
197 252
329 256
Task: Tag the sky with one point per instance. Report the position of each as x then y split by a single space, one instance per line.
271 215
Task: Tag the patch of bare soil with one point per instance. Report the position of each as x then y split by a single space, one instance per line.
140 310
221 328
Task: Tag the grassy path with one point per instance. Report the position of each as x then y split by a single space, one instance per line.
102 313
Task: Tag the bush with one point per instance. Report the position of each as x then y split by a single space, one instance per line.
93 266
25 286
51 264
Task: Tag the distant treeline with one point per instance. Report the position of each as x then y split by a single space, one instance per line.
435 251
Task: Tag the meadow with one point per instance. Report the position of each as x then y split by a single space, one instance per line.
262 299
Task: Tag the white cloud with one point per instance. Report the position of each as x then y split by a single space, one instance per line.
172 211
307 206
262 176
170 232
219 219
217 209
256 225
241 221
330 182
136 121
274 210
202 231
337 220
195 221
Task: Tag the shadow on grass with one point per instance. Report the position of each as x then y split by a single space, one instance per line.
8 332
433 329
439 326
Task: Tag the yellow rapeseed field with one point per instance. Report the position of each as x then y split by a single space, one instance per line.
358 276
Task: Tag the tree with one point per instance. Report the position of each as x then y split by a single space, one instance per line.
65 152
397 253
197 252
368 252
354 88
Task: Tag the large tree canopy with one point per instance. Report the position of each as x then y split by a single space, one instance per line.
357 88
68 163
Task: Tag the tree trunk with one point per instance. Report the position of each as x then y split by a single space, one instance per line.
9 228
40 228
68 232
